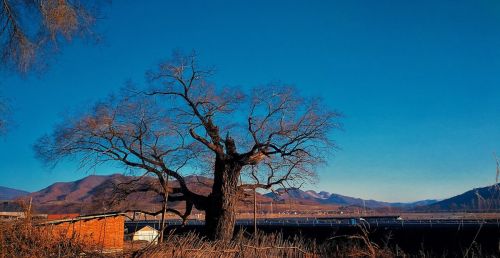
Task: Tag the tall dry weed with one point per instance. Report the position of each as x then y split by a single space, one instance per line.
263 245
25 238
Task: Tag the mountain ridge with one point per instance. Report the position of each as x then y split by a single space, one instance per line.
92 192
324 197
7 193
481 198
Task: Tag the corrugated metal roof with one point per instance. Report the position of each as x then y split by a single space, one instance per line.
86 217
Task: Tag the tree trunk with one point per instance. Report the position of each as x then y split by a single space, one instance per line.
220 215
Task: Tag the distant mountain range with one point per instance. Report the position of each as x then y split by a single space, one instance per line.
93 193
10 193
337 199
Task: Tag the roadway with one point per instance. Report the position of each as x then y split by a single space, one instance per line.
338 222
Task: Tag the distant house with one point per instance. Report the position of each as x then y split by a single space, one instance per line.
11 215
99 232
10 206
146 233
12 210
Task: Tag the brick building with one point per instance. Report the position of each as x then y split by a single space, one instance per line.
99 232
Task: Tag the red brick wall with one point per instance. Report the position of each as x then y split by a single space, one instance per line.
99 233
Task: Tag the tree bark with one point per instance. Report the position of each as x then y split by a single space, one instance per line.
220 212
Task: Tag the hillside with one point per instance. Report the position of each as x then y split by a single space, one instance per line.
95 194
10 193
81 196
484 199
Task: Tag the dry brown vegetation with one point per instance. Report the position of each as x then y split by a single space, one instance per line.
22 238
276 245
264 245
25 237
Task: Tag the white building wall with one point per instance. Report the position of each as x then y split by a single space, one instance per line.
150 235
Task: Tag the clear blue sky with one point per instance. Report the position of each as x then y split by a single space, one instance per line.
418 82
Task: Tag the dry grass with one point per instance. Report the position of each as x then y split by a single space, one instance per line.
23 238
264 245
275 245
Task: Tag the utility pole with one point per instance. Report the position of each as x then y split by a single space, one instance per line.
28 216
255 211
165 203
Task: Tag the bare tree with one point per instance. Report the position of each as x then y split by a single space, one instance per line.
134 132
31 28
270 137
